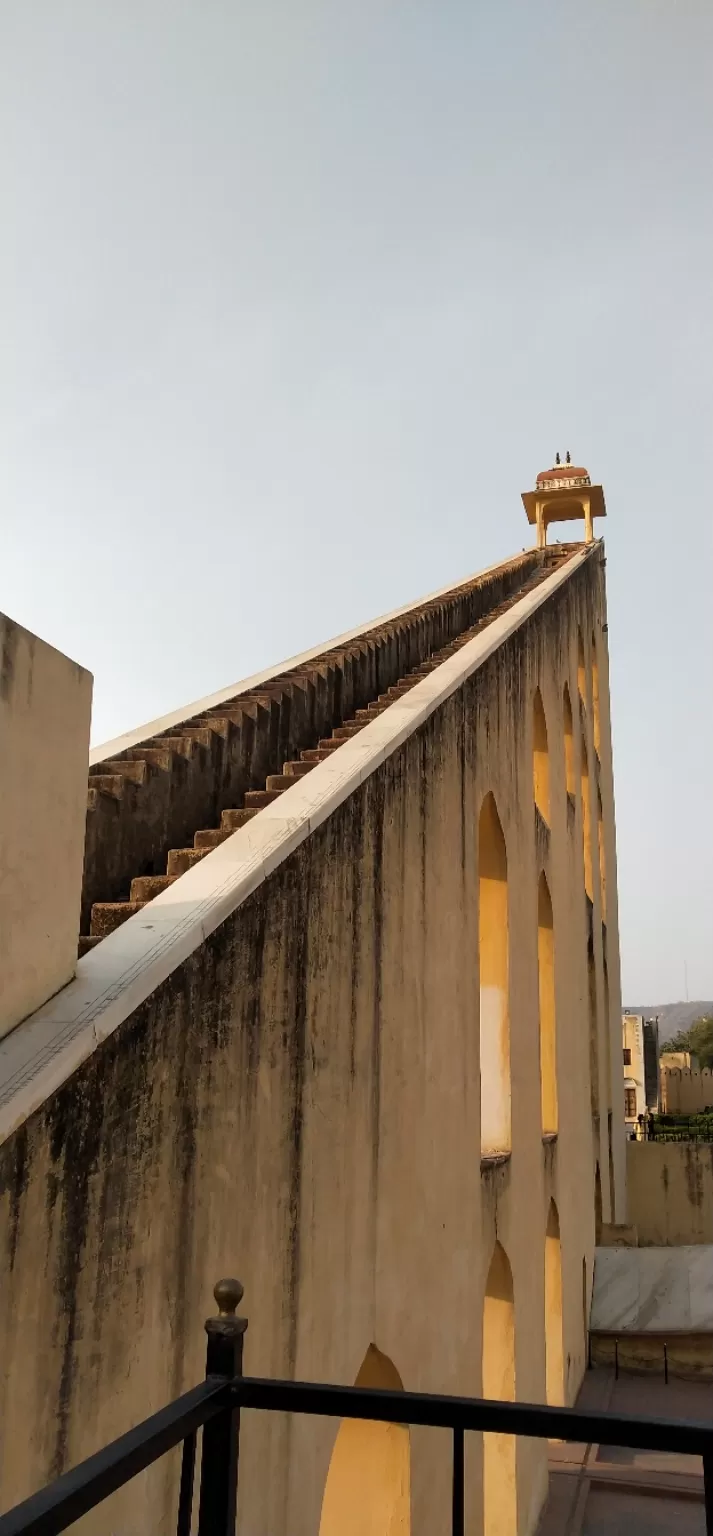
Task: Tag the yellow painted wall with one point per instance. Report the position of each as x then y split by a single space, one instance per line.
45 709
670 1191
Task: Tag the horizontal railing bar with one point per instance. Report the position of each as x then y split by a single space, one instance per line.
535 1420
71 1495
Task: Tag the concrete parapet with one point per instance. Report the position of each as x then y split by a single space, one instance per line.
45 709
671 1191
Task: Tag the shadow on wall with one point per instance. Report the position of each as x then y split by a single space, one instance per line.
368 1487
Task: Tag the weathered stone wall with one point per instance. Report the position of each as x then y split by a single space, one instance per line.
45 709
299 1104
670 1191
685 1091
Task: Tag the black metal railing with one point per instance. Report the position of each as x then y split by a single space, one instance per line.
216 1404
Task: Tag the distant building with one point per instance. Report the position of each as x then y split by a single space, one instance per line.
682 1060
640 1038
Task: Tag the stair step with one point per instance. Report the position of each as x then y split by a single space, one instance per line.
180 860
183 745
327 745
210 837
109 915
256 799
279 782
156 757
109 784
184 738
145 887
345 732
87 941
296 770
314 755
232 821
123 768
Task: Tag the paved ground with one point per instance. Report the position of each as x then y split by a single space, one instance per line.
596 1490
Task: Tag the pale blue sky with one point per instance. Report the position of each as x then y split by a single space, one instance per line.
298 296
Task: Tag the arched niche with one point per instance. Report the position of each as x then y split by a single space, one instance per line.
494 982
499 1451
368 1486
581 670
540 758
602 855
553 1309
593 1030
568 724
587 822
595 698
548 1025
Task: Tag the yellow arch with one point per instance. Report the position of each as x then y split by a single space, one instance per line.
568 742
548 1027
499 1451
494 982
540 758
368 1486
553 1309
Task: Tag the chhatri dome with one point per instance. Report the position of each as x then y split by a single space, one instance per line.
562 476
563 493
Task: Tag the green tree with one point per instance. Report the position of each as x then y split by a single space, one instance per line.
698 1039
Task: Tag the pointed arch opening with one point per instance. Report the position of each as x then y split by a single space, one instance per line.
554 1354
494 983
597 1204
595 698
587 823
593 1029
368 1486
499 1451
540 759
548 1025
581 670
568 743
602 855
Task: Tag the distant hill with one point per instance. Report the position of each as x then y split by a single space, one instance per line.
673 1017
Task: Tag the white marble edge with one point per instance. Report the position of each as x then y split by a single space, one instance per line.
108 749
653 1290
116 978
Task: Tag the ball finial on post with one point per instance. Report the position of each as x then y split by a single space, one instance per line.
228 1294
225 1332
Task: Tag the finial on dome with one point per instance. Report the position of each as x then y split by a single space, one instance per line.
568 458
557 459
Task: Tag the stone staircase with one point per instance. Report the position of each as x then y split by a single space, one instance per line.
225 766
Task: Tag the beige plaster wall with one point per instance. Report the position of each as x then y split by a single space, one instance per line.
299 1104
45 708
685 1091
670 1192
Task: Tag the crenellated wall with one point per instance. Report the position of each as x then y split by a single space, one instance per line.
299 1103
685 1091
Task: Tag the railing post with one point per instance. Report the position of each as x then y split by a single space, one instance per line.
219 1460
458 1501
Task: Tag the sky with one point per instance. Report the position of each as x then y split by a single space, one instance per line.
298 297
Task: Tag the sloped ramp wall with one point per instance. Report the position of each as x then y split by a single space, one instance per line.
298 1103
